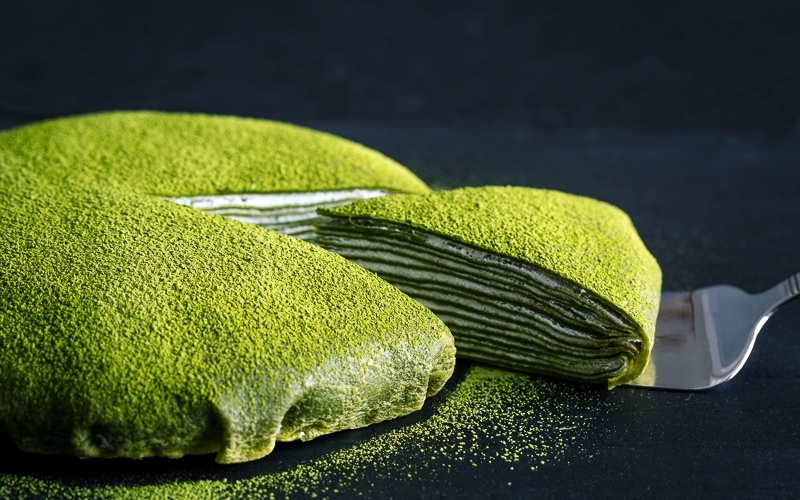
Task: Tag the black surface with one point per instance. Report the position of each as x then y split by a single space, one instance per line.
685 115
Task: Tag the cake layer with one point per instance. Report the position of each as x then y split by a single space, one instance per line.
288 213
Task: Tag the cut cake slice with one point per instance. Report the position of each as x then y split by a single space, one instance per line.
529 279
132 327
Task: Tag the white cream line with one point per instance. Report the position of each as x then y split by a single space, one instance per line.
275 200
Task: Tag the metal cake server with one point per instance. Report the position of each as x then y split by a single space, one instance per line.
704 336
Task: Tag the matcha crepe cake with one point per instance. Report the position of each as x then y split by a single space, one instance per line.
262 172
131 327
529 279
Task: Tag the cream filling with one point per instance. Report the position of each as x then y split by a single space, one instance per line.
500 310
289 213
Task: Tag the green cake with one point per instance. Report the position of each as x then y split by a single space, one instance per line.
258 171
529 279
131 327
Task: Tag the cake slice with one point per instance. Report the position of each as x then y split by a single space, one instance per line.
258 171
132 327
529 279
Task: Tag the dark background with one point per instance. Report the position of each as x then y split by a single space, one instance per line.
686 114
573 65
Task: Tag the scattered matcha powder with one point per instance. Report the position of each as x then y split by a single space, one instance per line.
491 416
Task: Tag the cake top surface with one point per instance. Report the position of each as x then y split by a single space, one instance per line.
586 241
185 154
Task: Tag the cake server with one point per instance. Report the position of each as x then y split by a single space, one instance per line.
704 336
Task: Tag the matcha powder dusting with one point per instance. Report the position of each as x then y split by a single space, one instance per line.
519 422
